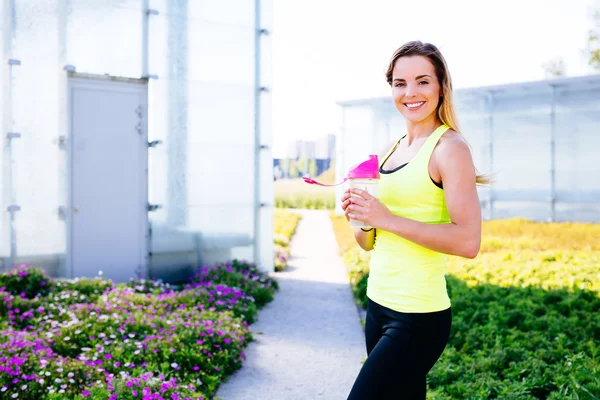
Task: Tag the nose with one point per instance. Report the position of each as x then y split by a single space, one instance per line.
411 90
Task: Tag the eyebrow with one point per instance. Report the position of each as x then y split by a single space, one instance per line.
418 77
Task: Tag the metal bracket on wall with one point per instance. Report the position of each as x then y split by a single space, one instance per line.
264 147
13 208
150 76
154 207
69 68
12 61
62 141
263 89
154 143
62 213
265 32
151 11
13 135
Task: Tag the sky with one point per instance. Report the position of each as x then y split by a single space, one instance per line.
325 51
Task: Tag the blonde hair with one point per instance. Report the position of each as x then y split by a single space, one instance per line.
445 111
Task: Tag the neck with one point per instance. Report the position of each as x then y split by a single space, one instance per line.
421 129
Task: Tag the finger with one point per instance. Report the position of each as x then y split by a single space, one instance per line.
358 200
356 209
362 193
357 216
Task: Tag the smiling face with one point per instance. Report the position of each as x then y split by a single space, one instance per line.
416 88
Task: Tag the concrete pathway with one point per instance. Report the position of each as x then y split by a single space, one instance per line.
309 341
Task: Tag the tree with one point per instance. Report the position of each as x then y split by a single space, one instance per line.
293 169
593 50
284 164
312 167
302 165
554 68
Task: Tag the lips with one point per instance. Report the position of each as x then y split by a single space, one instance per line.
415 105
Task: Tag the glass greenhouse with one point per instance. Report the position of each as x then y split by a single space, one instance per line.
136 135
540 139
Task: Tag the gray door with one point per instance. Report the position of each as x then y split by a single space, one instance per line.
108 211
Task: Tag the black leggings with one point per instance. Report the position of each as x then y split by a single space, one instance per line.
402 348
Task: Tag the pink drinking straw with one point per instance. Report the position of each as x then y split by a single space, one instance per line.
365 170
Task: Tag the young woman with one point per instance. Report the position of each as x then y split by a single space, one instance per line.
427 207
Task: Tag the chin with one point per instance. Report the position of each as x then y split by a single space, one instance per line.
416 118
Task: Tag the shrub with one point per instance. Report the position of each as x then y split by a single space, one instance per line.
25 281
242 275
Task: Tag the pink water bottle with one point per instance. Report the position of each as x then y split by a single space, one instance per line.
363 176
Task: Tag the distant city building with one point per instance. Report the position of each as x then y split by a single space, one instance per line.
322 150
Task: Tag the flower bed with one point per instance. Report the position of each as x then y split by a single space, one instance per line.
285 223
92 339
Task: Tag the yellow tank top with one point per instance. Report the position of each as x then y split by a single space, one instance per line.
405 276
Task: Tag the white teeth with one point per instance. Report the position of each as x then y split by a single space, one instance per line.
414 105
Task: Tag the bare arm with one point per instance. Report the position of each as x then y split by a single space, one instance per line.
462 236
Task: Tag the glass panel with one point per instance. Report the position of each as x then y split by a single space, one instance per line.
224 12
530 210
266 16
201 51
105 37
201 107
214 106
219 175
265 214
4 223
40 234
203 172
578 212
521 148
266 61
577 121
527 101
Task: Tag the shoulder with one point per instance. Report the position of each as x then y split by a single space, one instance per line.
452 150
452 143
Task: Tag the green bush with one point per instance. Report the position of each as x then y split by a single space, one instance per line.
25 281
305 201
242 275
91 287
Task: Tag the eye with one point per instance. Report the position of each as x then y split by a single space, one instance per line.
424 82
399 84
